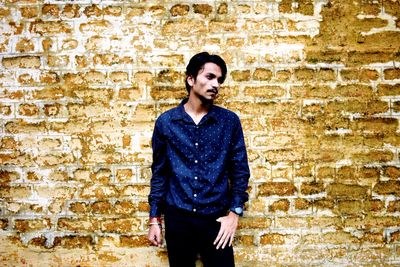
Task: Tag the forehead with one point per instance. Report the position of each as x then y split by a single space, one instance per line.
212 68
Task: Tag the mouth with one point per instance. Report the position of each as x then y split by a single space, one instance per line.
214 91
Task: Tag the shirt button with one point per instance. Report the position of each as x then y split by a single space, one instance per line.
196 177
196 144
195 195
195 161
194 210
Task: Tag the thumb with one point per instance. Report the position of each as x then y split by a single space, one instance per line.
219 219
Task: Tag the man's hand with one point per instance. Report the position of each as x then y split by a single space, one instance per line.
227 231
155 235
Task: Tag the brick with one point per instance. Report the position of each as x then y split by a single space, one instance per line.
101 207
392 74
125 208
167 92
71 11
55 191
79 207
349 207
28 110
115 11
77 224
119 76
282 205
391 171
394 206
339 237
8 143
374 205
96 191
244 240
218 26
47 44
347 191
312 188
387 188
275 188
49 28
96 26
346 173
25 45
372 156
29 12
15 192
134 11
368 75
370 221
204 9
302 204
24 226
265 91
124 175
51 109
136 190
375 125
325 75
254 223
222 8
304 74
93 10
283 75
272 239
73 242
6 177
133 241
50 10
183 27
388 90
179 10
3 224
120 226
29 62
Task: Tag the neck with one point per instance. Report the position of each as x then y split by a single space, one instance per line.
196 106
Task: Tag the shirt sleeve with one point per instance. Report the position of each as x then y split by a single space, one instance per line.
158 180
239 172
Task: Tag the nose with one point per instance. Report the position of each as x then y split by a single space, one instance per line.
215 83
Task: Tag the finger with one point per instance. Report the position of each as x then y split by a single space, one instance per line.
222 240
153 240
218 236
227 238
231 240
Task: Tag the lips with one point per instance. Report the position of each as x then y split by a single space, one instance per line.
214 91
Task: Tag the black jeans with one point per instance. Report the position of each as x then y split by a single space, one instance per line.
188 235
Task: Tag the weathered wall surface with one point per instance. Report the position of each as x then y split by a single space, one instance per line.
316 84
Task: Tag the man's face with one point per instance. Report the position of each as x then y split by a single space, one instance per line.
207 83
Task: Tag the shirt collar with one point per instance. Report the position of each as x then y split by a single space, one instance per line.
180 113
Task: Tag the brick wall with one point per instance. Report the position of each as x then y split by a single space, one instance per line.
316 84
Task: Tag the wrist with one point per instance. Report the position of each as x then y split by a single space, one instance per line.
155 221
237 210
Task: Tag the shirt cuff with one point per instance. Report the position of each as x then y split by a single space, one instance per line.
155 212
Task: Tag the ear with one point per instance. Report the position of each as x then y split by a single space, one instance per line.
190 80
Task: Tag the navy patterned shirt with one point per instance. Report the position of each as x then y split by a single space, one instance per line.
199 168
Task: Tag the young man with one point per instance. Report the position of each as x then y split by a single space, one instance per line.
200 172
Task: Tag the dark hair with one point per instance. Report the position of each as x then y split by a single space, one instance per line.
198 61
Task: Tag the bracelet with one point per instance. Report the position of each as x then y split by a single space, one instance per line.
155 220
155 223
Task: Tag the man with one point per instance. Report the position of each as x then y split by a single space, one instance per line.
200 171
